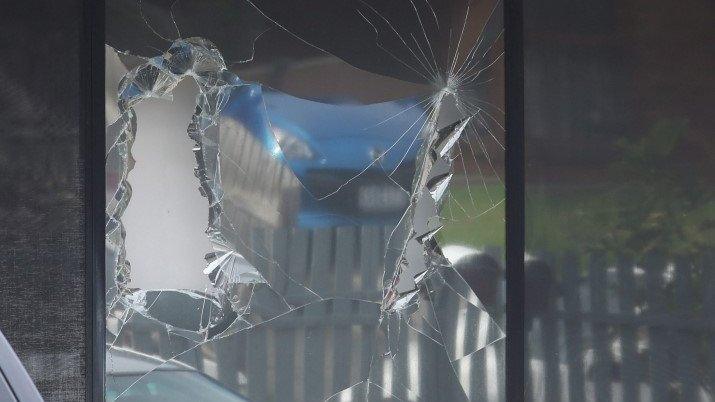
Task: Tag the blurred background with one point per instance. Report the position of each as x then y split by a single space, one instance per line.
619 200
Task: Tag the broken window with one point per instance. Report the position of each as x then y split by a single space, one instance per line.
304 201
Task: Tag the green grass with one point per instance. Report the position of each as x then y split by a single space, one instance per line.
559 218
648 198
482 224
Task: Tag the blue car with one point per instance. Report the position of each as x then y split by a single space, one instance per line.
354 162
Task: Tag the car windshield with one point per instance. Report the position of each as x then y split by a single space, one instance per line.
169 386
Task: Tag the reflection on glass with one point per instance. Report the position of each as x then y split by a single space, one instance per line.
174 381
345 240
620 206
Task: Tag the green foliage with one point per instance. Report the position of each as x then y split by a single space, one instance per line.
665 202
656 196
479 224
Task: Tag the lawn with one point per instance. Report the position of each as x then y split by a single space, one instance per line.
476 221
572 217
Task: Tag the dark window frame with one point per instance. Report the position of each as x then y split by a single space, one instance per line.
92 126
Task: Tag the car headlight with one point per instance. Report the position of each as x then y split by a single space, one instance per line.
292 147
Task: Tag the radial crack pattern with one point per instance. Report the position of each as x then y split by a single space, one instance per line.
303 305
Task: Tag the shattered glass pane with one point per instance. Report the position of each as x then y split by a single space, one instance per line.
304 202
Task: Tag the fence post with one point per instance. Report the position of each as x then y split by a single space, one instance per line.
371 261
321 274
294 263
345 260
708 311
257 362
686 340
573 326
601 353
658 366
278 267
549 338
631 367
